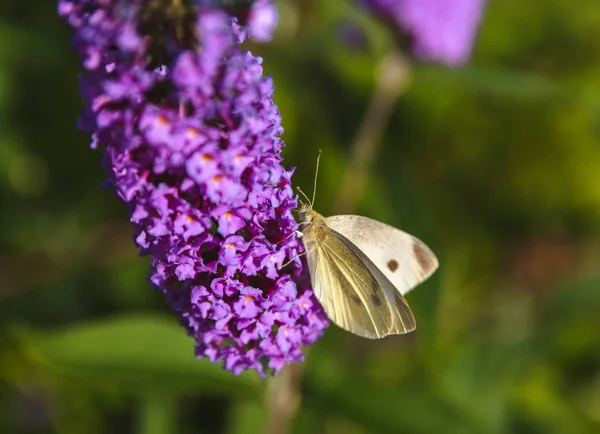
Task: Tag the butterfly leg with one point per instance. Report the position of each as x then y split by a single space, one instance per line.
294 258
296 233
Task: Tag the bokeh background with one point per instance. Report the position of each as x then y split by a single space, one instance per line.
496 165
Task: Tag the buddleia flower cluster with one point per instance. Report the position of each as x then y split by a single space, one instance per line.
190 138
439 30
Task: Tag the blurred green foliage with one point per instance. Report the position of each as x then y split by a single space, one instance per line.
495 165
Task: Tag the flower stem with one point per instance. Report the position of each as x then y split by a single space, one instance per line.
283 398
393 77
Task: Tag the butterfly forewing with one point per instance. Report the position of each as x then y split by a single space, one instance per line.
353 292
403 320
405 260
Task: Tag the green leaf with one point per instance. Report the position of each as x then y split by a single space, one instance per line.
246 417
382 410
136 352
157 414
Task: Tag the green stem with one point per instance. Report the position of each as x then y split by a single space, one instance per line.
393 77
283 398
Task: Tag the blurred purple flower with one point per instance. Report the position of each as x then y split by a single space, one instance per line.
262 20
192 146
441 30
259 16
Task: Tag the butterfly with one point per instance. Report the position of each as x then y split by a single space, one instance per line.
360 270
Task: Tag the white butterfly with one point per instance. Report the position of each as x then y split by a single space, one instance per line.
361 268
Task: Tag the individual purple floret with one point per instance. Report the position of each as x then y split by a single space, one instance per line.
191 143
262 20
441 30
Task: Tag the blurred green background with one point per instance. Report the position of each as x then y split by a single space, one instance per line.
495 165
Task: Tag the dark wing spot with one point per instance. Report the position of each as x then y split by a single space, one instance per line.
376 299
423 256
393 265
355 298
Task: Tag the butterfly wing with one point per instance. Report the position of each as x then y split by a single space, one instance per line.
353 292
405 260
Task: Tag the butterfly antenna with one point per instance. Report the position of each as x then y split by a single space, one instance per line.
312 202
302 193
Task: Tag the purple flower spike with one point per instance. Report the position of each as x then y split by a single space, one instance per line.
192 146
441 30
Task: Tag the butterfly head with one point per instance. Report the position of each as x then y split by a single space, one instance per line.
307 212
